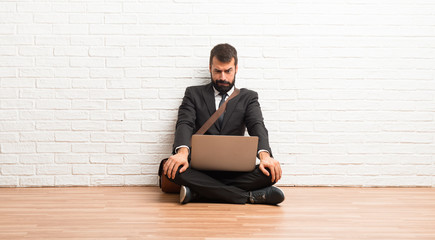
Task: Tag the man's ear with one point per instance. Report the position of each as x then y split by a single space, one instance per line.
209 68
237 68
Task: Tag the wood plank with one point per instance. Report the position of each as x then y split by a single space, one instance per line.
145 212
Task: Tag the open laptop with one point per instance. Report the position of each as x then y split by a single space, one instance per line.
224 153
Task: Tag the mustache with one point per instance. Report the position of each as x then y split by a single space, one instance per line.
223 81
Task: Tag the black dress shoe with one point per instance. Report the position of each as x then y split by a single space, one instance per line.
185 195
269 195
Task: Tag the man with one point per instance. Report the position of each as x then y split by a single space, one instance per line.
199 103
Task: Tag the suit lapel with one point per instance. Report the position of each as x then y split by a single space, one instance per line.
208 95
230 109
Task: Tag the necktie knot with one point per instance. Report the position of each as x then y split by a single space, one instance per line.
223 95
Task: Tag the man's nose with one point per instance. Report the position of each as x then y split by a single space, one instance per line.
223 76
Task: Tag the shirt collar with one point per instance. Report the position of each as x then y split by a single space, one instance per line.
216 92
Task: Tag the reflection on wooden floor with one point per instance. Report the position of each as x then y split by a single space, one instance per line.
146 213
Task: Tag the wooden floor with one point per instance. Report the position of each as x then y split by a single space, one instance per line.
146 213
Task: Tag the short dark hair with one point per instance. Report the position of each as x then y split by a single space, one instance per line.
224 52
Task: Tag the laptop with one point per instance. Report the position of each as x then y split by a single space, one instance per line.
224 153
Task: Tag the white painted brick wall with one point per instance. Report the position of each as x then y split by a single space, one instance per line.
89 90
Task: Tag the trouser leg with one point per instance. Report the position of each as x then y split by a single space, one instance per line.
248 181
210 188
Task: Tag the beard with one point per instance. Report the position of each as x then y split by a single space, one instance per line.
223 88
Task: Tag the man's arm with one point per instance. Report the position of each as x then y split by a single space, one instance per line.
185 122
183 133
256 127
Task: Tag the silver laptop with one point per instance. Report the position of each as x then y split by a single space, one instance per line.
224 153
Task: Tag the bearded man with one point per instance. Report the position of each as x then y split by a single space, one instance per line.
242 112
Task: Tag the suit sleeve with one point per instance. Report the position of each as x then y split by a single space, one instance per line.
185 122
255 123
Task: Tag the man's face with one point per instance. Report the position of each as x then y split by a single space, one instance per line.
223 75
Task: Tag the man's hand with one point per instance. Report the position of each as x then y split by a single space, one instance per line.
175 161
266 161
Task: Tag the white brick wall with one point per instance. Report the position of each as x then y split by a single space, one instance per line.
89 89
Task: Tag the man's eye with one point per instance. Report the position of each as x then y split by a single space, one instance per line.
228 71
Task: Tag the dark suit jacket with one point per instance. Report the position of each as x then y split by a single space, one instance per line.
242 112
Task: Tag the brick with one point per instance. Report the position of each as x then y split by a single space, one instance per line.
116 19
17 170
36 93
141 137
8 181
107 159
51 40
72 158
72 72
17 148
34 29
107 137
124 84
11 61
142 115
106 29
16 104
76 180
106 73
123 148
84 40
72 115
8 137
8 115
124 170
122 41
141 180
85 83
8 72
54 169
87 62
86 18
107 94
69 7
129 62
107 180
53 147
37 181
140 52
71 51
53 83
88 169
161 126
123 104
107 115
39 136
36 72
8 158
36 158
51 18
88 148
130 126
52 62
88 104
72 137
105 52
53 104
6 126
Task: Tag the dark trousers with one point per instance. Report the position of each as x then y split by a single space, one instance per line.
223 186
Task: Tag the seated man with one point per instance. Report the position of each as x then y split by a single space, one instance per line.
199 103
